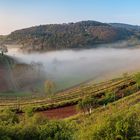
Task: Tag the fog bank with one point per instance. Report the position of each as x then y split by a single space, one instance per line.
70 67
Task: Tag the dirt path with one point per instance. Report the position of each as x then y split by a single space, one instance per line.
60 113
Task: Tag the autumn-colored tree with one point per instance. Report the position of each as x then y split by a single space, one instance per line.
49 87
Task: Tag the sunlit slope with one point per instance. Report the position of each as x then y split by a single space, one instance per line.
118 119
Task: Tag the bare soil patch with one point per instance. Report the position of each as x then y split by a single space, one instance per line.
60 113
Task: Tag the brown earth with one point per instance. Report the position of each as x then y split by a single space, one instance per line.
60 113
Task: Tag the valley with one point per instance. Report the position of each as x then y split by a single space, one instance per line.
69 70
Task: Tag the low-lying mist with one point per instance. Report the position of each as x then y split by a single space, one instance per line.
70 67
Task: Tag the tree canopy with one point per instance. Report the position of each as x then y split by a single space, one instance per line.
72 35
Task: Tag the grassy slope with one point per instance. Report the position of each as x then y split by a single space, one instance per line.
91 126
100 125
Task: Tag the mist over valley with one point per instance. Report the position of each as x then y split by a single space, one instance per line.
67 68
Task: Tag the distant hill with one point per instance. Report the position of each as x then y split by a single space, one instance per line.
72 35
126 26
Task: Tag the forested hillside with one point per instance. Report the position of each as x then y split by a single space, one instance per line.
72 35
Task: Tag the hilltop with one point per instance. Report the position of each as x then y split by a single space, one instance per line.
82 34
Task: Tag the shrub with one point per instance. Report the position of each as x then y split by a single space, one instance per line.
87 104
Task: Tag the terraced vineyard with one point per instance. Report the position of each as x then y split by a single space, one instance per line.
123 103
71 96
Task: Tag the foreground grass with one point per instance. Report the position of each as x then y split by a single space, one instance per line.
119 120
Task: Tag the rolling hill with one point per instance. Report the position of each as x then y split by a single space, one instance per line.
82 34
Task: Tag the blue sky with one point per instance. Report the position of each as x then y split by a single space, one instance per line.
16 14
